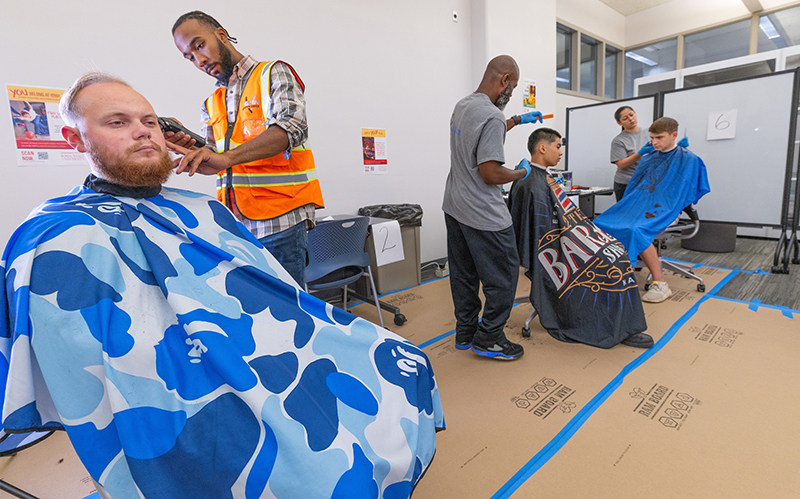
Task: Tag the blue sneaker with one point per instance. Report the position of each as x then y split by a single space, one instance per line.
463 342
501 349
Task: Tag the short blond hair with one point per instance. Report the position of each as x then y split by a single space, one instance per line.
664 124
68 106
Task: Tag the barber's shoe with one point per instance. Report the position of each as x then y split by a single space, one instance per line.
658 292
639 340
501 349
464 341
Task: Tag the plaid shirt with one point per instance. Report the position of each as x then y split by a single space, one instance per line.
287 109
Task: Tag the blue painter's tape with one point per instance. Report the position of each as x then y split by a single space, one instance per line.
696 265
95 495
576 422
788 312
438 338
399 291
754 304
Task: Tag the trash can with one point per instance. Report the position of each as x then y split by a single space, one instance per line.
405 273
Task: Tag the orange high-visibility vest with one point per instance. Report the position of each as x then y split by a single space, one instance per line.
269 187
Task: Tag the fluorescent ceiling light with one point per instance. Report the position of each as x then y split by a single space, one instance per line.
562 80
642 59
766 26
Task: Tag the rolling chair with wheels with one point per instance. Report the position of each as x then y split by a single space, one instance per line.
337 258
683 229
526 329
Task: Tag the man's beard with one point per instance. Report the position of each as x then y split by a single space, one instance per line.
118 169
503 98
226 64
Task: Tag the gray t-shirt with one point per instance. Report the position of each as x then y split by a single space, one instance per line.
477 135
623 146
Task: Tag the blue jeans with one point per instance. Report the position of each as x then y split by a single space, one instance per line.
481 257
290 248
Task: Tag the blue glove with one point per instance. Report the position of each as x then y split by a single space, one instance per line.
531 117
525 165
684 142
646 149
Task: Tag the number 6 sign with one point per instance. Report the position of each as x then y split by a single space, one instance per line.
721 125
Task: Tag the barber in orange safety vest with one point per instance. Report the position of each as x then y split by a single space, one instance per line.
256 141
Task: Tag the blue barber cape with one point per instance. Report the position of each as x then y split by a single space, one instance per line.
662 186
184 362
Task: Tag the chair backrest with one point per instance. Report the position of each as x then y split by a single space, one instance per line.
684 229
336 244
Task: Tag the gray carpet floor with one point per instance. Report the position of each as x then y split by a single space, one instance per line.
751 256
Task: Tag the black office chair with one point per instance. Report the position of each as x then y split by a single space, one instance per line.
682 229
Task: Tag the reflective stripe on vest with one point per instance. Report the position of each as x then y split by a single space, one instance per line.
265 188
269 179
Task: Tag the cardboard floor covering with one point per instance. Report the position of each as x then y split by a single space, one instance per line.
501 414
49 469
711 415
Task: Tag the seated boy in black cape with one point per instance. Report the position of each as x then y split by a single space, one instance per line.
582 282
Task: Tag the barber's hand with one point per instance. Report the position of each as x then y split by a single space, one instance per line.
646 149
524 165
180 138
200 160
531 117
684 142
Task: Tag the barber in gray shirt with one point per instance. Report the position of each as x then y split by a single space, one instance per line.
481 248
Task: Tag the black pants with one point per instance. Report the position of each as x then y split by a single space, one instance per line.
481 257
619 190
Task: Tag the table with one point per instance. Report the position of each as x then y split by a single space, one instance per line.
586 198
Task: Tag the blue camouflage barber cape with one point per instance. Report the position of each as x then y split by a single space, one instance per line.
662 185
184 362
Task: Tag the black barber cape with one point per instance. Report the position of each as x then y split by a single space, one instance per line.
582 283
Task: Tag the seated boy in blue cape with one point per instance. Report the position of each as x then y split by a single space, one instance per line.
582 283
182 360
668 178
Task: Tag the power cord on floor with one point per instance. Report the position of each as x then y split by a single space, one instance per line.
440 271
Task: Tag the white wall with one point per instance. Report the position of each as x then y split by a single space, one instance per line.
678 16
594 17
378 64
526 30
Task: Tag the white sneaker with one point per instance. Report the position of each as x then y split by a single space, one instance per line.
658 292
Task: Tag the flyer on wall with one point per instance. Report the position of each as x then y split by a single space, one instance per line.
529 93
37 127
373 150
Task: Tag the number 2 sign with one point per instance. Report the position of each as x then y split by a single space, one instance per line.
721 125
388 242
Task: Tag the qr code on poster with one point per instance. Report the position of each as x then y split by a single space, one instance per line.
42 155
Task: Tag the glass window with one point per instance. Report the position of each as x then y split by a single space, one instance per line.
656 87
779 29
728 74
717 44
611 72
649 60
563 56
589 54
